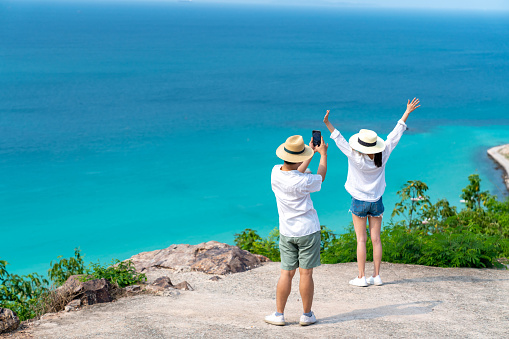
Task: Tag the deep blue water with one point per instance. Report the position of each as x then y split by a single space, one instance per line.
129 127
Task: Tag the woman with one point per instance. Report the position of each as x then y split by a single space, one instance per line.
367 155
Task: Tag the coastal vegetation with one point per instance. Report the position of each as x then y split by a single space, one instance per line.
426 233
419 232
32 295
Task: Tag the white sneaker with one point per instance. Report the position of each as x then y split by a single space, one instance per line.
305 320
274 319
361 282
375 280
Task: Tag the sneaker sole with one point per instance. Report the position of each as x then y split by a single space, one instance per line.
275 323
306 324
360 285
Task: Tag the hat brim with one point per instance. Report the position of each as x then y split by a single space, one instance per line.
282 154
379 147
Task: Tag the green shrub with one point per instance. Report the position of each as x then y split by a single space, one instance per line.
120 273
472 194
32 295
413 202
462 249
343 248
20 293
250 241
400 245
62 269
433 234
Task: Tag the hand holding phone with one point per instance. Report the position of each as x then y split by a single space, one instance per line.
317 138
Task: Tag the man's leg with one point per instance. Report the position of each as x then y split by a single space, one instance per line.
284 287
307 288
359 225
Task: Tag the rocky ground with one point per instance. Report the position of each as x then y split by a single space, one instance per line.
500 154
416 301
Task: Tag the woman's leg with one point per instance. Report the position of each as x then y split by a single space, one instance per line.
375 225
359 225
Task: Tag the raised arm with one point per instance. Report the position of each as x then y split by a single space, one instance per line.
305 164
327 122
410 107
342 144
394 137
322 167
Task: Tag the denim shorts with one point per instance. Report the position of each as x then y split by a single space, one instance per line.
364 208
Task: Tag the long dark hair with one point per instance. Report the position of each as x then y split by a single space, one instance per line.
378 159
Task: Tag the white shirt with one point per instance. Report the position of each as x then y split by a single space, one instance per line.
297 217
365 181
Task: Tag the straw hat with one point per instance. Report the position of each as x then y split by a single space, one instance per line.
294 150
366 141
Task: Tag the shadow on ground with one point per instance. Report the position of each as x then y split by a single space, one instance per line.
456 278
415 308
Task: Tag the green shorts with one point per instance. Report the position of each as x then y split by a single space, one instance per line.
303 252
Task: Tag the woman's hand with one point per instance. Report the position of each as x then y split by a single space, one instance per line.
411 106
327 122
326 117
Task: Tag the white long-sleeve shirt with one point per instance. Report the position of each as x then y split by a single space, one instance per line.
365 181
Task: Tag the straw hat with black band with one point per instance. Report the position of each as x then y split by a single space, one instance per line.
367 141
294 150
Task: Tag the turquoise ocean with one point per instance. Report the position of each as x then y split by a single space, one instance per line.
130 127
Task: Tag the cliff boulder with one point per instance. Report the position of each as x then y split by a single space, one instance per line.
210 257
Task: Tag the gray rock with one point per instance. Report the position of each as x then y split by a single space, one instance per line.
184 286
89 292
160 284
215 278
211 257
72 283
163 282
169 293
95 292
74 304
133 289
9 321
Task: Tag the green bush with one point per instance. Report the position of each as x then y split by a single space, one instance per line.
62 269
250 241
462 249
29 295
20 293
120 273
342 248
432 234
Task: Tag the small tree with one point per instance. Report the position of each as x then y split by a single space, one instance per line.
61 270
435 215
413 201
474 198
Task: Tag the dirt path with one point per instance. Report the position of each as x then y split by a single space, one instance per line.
415 301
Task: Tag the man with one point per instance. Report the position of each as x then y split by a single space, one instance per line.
299 227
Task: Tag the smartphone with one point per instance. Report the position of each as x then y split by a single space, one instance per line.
317 138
